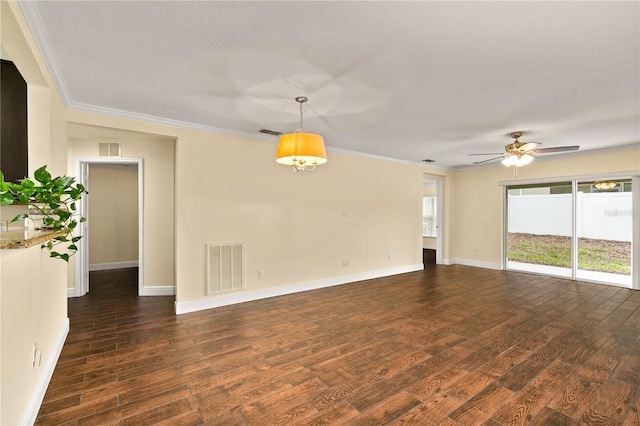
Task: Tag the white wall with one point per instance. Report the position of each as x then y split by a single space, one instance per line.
34 312
298 228
113 204
476 210
32 286
158 157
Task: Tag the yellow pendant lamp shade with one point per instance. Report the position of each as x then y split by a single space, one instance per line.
296 148
303 151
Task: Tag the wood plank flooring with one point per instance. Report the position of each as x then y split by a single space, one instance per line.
452 345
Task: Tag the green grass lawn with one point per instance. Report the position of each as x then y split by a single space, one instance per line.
552 250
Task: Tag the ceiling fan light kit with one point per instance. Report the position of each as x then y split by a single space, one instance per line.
520 154
605 185
517 160
302 151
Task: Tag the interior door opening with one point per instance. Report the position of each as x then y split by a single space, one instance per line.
85 259
432 208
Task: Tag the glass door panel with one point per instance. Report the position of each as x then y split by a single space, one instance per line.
539 228
604 230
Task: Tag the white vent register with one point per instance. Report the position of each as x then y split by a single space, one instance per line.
109 149
225 267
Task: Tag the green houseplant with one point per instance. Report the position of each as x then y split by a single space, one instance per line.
54 199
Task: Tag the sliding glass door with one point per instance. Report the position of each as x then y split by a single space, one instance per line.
604 230
580 229
539 228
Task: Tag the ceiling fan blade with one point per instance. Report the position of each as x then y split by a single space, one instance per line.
555 149
490 153
490 159
529 146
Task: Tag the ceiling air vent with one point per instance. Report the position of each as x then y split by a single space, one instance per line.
270 132
429 160
108 149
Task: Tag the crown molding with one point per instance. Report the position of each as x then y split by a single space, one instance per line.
113 112
80 107
36 26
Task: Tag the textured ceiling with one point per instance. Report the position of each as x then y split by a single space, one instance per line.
405 80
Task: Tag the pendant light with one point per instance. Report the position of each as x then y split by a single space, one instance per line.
303 151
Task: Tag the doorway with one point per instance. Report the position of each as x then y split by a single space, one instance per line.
82 265
432 217
581 228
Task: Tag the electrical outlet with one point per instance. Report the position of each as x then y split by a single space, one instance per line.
346 262
37 356
389 257
260 273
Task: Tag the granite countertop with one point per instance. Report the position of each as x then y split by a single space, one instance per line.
19 238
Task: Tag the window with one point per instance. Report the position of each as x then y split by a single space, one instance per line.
429 216
581 229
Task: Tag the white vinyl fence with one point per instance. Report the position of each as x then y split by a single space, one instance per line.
604 216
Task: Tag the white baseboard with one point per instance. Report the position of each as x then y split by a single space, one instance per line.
146 291
114 265
158 291
199 305
31 411
71 292
476 263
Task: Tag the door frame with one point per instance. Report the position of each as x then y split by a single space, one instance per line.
635 244
439 182
81 286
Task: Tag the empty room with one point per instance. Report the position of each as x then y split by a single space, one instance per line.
320 213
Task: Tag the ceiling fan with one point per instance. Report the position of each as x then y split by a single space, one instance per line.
521 153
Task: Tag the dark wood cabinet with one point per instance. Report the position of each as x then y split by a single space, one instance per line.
14 157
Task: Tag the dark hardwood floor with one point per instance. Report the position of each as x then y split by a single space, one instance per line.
453 345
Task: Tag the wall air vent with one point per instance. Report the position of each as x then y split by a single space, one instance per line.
270 132
225 267
109 149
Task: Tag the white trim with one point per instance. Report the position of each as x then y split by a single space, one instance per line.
211 129
31 411
36 25
635 246
158 291
113 112
575 180
82 266
114 265
391 159
439 182
199 305
476 263
599 176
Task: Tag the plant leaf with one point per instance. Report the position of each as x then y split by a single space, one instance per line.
20 216
42 175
